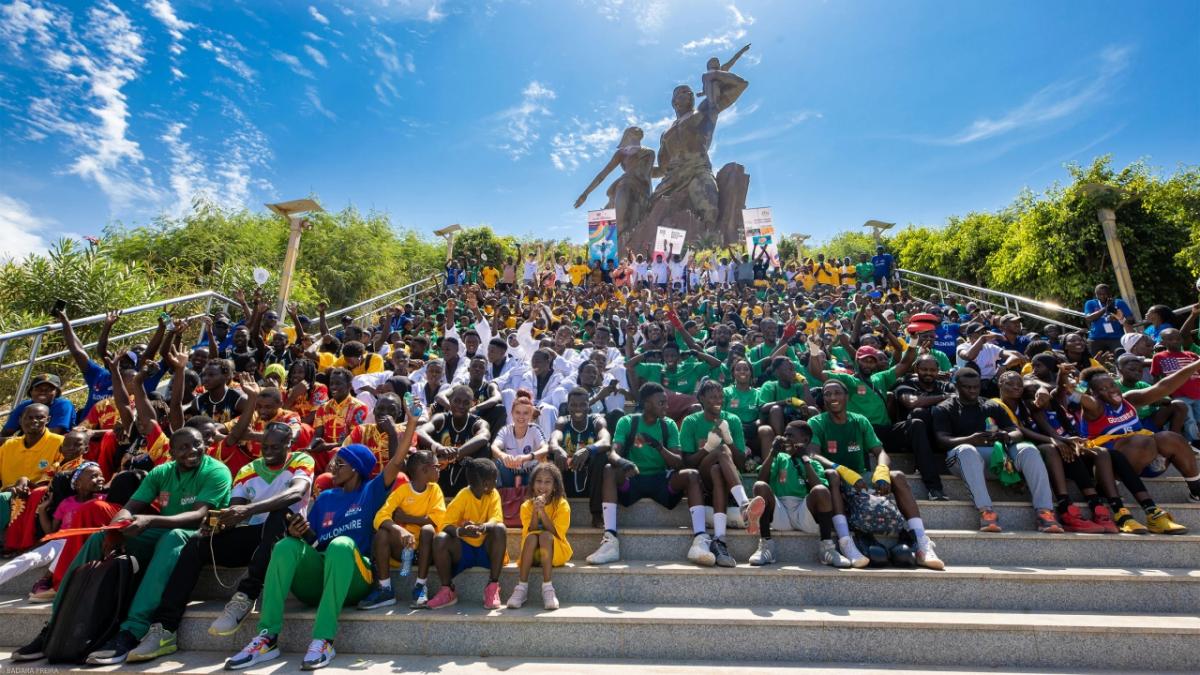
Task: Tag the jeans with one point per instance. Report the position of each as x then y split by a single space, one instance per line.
1191 428
970 463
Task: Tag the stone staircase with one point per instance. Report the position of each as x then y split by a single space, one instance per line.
1018 599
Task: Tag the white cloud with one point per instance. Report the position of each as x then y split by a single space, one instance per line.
313 36
434 13
294 63
21 19
647 16
226 57
314 99
20 230
1054 101
771 131
392 67
724 39
593 141
319 17
187 176
316 55
162 10
521 122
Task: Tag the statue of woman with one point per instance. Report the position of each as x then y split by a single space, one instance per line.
629 194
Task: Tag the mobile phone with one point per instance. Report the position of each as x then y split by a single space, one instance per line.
59 306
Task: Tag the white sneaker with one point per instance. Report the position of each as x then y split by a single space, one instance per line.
232 616
549 599
927 557
517 599
765 555
701 551
320 653
857 559
609 551
828 555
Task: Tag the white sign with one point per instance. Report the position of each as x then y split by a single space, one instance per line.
760 230
261 276
669 238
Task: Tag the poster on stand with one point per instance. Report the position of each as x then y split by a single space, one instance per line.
760 231
602 235
669 239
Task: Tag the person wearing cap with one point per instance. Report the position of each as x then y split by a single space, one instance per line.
24 458
1012 334
1104 315
981 350
916 395
45 389
324 559
220 335
922 328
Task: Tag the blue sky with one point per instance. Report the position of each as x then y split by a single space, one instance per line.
500 112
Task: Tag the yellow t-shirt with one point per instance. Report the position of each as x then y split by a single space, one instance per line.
325 360
465 507
18 461
578 272
370 363
490 276
827 274
560 515
430 503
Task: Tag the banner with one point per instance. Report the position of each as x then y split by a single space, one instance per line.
602 235
669 238
760 232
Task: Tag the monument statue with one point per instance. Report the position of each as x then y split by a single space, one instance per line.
629 195
689 196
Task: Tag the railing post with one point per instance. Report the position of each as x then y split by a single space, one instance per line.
28 372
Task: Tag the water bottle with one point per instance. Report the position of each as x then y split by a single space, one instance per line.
406 562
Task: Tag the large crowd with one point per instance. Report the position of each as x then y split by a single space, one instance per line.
772 395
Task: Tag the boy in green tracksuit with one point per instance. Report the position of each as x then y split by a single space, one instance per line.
184 489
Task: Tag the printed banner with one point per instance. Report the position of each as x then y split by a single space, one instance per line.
602 235
669 238
760 232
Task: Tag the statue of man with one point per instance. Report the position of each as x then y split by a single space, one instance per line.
683 163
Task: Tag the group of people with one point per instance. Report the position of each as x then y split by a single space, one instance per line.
328 459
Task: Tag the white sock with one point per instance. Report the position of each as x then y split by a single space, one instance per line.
610 516
739 494
385 584
421 582
522 584
697 519
547 584
1193 478
840 526
918 527
719 525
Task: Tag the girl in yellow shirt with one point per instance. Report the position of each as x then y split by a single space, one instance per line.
410 519
545 518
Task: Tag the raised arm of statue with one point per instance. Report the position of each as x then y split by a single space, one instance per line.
612 164
722 89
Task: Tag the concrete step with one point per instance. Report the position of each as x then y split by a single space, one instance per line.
907 462
952 515
809 584
979 639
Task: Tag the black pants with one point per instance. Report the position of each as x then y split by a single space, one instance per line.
247 546
496 418
588 482
930 462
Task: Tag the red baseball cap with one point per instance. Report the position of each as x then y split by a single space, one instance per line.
867 351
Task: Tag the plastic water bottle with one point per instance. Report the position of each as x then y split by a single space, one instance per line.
406 562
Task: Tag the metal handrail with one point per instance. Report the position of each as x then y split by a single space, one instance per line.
1016 298
38 333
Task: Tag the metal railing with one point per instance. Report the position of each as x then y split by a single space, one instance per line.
998 300
36 336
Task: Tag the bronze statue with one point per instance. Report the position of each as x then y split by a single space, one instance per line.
629 195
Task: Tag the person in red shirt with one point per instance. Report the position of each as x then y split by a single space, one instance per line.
1172 359
336 418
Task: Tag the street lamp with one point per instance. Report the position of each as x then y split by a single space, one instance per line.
1108 223
448 233
878 227
294 211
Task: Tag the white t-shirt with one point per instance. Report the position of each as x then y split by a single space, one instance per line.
659 270
987 359
640 271
255 483
676 272
530 269
560 274
532 440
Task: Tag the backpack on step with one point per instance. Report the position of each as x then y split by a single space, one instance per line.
95 599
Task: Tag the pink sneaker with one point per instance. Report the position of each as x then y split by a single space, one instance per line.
751 513
491 596
443 598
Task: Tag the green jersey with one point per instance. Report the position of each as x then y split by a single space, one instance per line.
175 491
648 460
868 399
786 479
847 443
743 404
696 426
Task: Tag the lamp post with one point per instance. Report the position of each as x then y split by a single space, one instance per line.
448 233
1108 223
296 212
798 240
878 227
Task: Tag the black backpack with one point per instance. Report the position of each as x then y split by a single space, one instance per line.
95 599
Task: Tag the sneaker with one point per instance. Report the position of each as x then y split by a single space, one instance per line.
1127 524
158 642
609 551
443 598
1103 517
34 650
1193 497
420 597
765 555
236 611
751 512
491 596
989 521
519 595
1161 522
114 651
318 655
1074 521
937 495
41 586
701 551
263 647
927 557
1046 522
549 598
721 552
857 559
378 597
829 555
44 595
